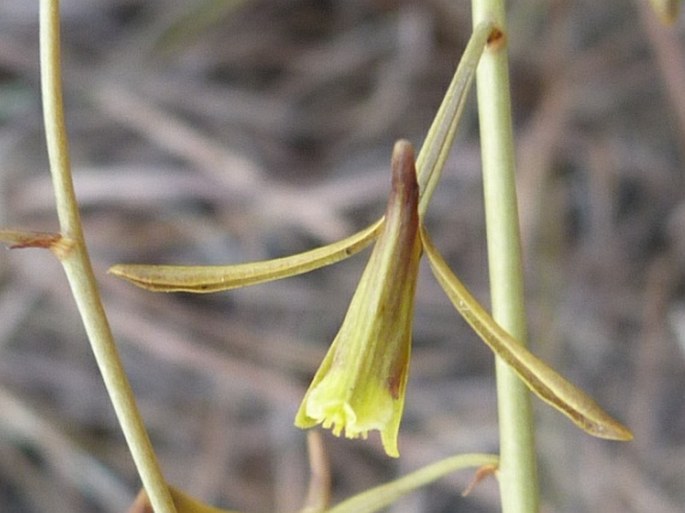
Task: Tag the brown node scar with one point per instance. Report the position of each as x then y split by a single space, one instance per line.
55 242
36 240
482 473
496 39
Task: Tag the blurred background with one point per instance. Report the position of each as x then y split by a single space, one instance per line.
222 131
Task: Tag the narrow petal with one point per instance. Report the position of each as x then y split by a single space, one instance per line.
541 379
215 278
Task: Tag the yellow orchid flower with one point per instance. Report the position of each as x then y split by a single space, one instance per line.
360 384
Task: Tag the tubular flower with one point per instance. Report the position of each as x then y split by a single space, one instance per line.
361 382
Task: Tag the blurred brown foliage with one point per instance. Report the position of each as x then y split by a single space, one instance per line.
217 131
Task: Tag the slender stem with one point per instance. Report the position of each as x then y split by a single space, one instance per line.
382 496
518 468
74 257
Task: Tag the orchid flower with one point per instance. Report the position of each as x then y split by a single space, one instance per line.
361 383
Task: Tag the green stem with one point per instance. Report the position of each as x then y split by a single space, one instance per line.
382 496
73 255
518 468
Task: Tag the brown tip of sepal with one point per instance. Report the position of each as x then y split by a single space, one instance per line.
482 473
404 168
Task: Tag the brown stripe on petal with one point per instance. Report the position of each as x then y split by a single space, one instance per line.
398 375
394 385
404 198
398 248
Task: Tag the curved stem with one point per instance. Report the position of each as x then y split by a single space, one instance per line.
73 255
518 467
382 496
